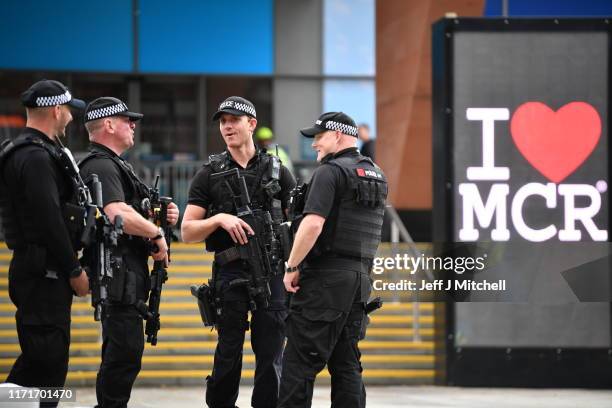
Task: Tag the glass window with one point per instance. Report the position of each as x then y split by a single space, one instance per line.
169 128
348 37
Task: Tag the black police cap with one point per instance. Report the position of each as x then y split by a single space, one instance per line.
107 106
47 93
235 105
332 121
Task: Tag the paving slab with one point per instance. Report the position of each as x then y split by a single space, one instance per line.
382 397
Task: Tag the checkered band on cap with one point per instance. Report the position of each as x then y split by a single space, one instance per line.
346 129
53 100
106 111
238 106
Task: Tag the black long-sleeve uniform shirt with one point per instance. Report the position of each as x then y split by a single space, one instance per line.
36 187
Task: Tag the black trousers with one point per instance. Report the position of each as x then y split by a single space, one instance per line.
44 356
325 324
267 338
122 348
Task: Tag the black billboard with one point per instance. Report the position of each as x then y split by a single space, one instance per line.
521 159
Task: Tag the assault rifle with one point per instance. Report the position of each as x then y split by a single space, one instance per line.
102 255
159 274
261 250
98 235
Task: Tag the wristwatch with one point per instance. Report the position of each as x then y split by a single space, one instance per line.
291 269
160 234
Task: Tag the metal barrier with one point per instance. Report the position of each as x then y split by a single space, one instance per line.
174 180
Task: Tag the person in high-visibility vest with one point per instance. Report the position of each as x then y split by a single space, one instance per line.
264 138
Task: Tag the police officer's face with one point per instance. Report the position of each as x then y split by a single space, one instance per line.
325 143
236 130
64 117
124 131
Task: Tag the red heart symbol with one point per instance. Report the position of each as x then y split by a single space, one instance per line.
555 143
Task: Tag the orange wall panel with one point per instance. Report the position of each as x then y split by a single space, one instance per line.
403 94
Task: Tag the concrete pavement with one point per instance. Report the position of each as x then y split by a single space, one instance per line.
383 397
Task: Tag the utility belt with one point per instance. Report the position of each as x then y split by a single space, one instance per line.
120 309
333 261
123 289
210 295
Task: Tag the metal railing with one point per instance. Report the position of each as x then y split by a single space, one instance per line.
174 179
398 230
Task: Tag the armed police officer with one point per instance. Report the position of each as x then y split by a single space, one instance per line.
111 132
42 217
327 271
241 181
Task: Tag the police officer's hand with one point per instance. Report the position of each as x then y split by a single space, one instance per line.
235 227
173 214
160 251
80 284
291 280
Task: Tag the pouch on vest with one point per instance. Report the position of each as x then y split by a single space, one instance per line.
74 218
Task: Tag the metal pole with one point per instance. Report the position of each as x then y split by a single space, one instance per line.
505 8
201 119
394 233
134 102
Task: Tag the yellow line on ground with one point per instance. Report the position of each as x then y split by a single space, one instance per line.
380 319
389 332
248 359
176 247
401 319
364 345
173 281
424 374
182 245
73 333
186 292
407 306
203 270
80 307
75 319
186 282
205 332
200 246
182 256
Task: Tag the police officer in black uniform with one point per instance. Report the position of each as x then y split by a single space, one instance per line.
327 271
38 197
211 216
111 131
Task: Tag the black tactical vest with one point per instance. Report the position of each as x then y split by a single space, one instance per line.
73 210
262 181
130 283
354 226
138 192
